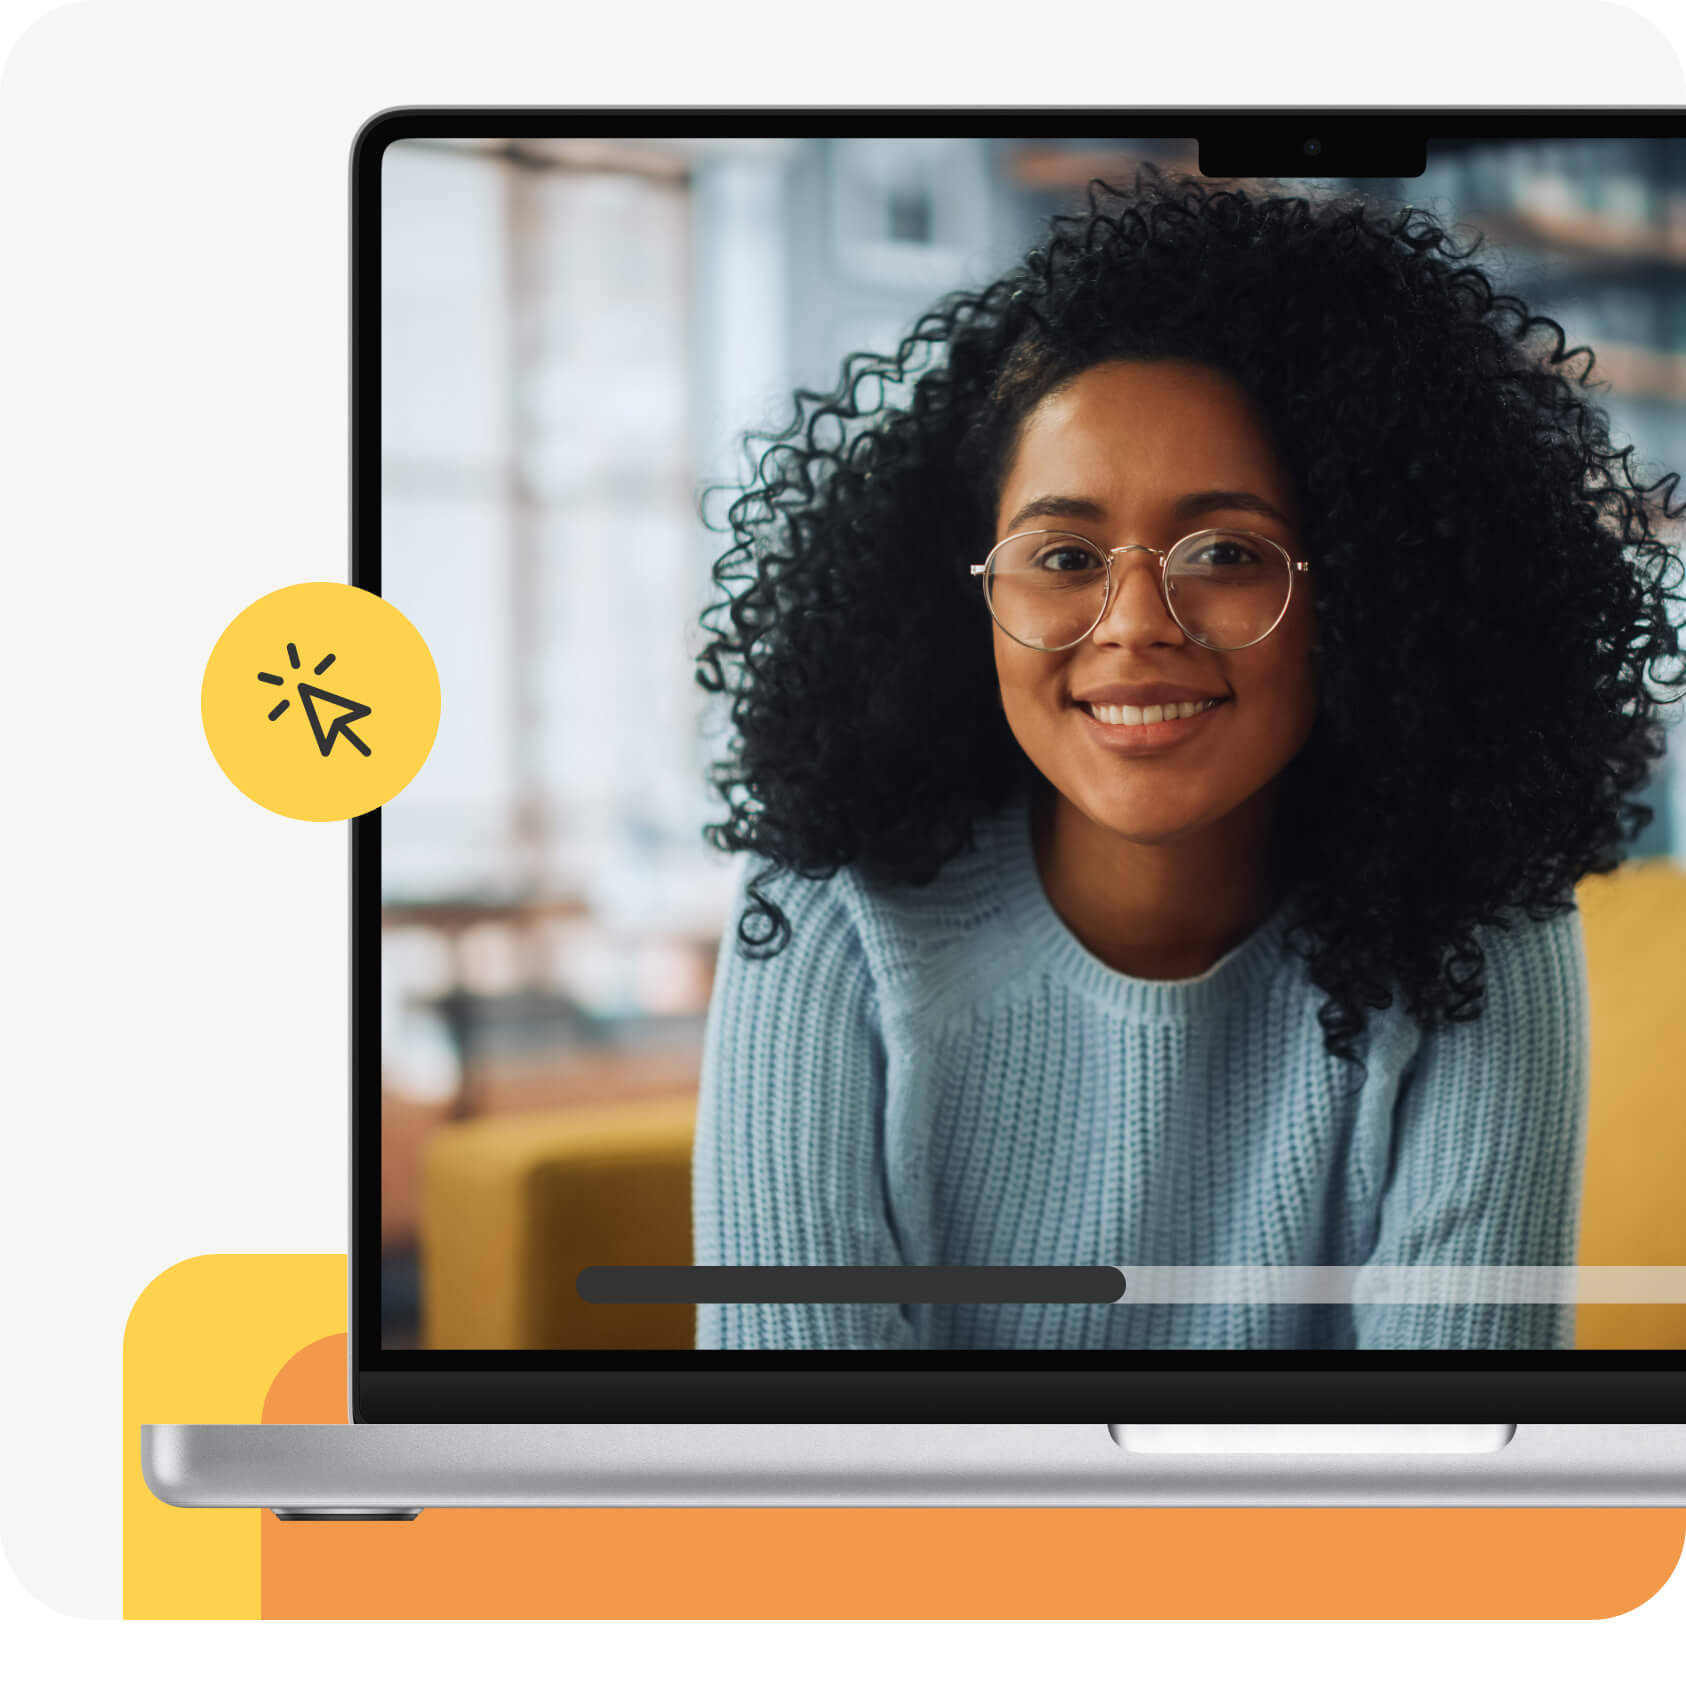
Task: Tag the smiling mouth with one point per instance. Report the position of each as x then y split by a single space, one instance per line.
1123 714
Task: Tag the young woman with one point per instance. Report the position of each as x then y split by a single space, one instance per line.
1168 746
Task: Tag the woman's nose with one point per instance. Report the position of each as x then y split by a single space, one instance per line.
1138 607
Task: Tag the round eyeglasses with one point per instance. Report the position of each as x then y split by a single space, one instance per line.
1225 589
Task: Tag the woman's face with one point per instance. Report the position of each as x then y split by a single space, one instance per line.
1154 451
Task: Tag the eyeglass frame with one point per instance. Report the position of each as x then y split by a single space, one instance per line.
980 570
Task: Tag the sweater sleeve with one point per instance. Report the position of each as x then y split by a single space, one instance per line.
1488 1141
788 1166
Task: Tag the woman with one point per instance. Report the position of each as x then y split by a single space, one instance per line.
1168 747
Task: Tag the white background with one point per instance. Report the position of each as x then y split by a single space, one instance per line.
173 210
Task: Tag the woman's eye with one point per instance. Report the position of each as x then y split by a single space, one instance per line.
1227 554
1066 561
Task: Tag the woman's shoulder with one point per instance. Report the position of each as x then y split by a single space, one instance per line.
964 903
1535 962
916 940
1533 1004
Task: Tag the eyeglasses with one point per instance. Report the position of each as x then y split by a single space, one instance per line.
1225 589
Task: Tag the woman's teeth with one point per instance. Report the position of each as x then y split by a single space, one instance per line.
1125 715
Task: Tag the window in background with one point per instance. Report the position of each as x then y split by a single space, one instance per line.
551 910
909 212
446 516
537 513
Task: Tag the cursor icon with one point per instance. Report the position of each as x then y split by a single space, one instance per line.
339 725
261 687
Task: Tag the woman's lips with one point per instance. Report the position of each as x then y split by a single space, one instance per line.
1145 740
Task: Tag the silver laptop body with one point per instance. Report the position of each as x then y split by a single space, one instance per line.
393 1469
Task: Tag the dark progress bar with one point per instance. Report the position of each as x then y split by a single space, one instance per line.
850 1284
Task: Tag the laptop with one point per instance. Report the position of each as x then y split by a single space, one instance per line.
874 985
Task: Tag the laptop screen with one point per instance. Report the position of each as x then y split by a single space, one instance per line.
1041 752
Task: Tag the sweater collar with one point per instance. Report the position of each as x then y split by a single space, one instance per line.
1056 950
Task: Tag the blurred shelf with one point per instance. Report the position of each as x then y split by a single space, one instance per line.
659 160
1637 371
1585 235
455 913
1052 169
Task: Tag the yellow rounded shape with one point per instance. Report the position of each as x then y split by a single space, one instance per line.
320 701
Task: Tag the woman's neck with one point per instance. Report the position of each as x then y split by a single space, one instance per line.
1159 910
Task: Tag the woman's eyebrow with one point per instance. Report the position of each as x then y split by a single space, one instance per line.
1188 505
1068 509
1202 503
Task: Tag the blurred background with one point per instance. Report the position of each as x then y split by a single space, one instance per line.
575 335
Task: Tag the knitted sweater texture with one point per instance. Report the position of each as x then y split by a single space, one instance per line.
944 1075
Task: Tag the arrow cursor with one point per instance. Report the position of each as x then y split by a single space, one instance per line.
340 725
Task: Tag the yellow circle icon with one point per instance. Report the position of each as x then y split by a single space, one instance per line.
320 701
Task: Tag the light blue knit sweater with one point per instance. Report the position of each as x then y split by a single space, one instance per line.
944 1075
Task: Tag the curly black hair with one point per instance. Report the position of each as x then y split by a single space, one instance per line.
1493 595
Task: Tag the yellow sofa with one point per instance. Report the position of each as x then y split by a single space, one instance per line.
1634 1208
513 1207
